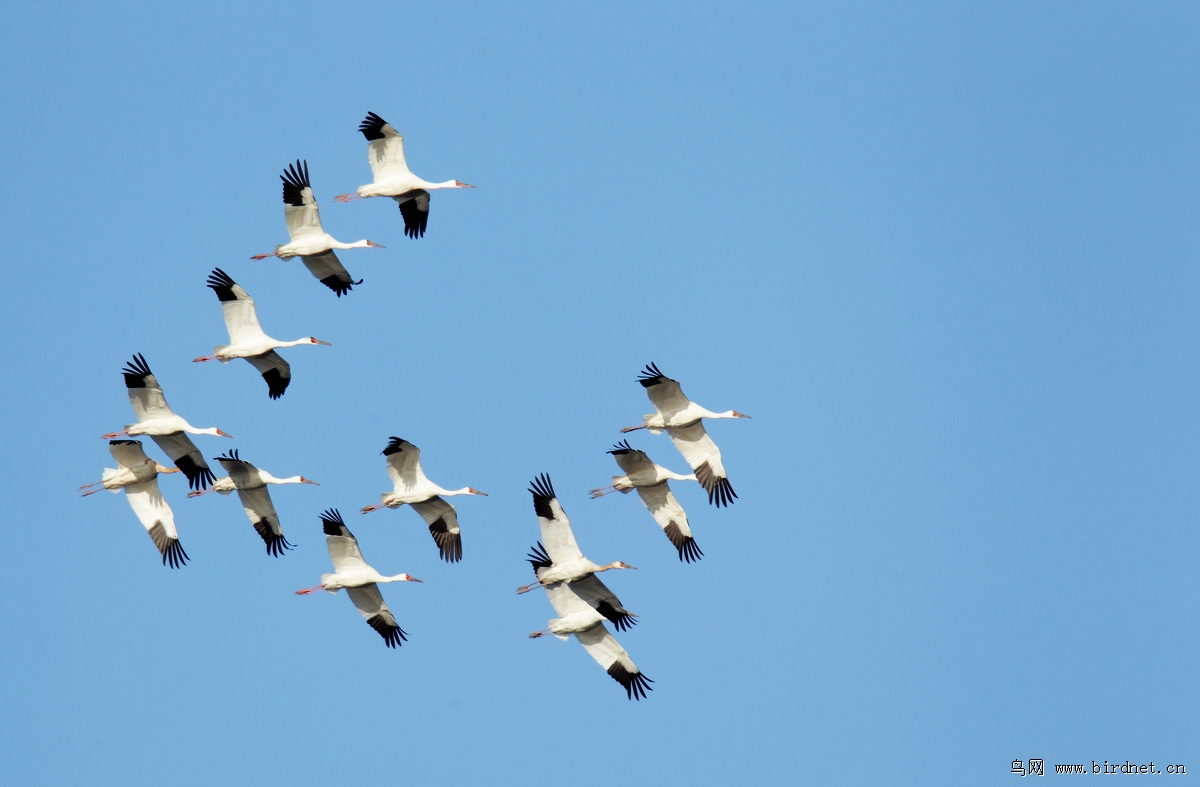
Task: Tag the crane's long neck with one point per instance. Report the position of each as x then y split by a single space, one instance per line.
358 244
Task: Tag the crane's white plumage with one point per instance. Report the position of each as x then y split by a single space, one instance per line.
156 419
557 558
681 418
577 616
250 482
137 474
359 579
410 485
392 177
247 338
309 240
650 481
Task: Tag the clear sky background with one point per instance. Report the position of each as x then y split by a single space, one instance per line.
944 255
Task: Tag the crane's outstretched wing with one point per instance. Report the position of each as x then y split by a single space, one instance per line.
145 394
443 526
128 453
665 393
371 606
261 512
669 515
404 465
300 206
187 458
599 642
556 528
274 370
237 307
597 595
156 516
343 546
328 270
385 149
705 459
414 209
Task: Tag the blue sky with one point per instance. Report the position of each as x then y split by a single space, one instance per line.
944 255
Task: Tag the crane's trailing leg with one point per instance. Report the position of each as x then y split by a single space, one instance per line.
631 429
345 197
262 256
112 435
306 591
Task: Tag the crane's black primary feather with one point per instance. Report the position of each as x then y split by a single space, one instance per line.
415 219
395 445
339 285
618 616
372 127
636 684
689 552
276 382
651 376
295 181
622 447
333 524
276 543
222 284
543 493
720 491
392 634
198 477
172 552
230 456
449 544
136 372
538 558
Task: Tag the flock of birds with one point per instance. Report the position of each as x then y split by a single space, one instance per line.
581 600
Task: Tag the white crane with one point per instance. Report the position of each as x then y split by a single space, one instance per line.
385 151
576 616
309 240
411 486
560 560
137 474
358 578
247 338
167 429
650 480
682 419
251 485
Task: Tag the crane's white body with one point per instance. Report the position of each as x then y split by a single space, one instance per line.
308 239
393 178
651 482
247 338
137 474
682 419
410 485
361 581
156 419
250 483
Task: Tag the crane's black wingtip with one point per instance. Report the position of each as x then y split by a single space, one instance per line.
392 634
651 376
543 492
372 127
539 558
395 445
331 521
622 447
635 683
